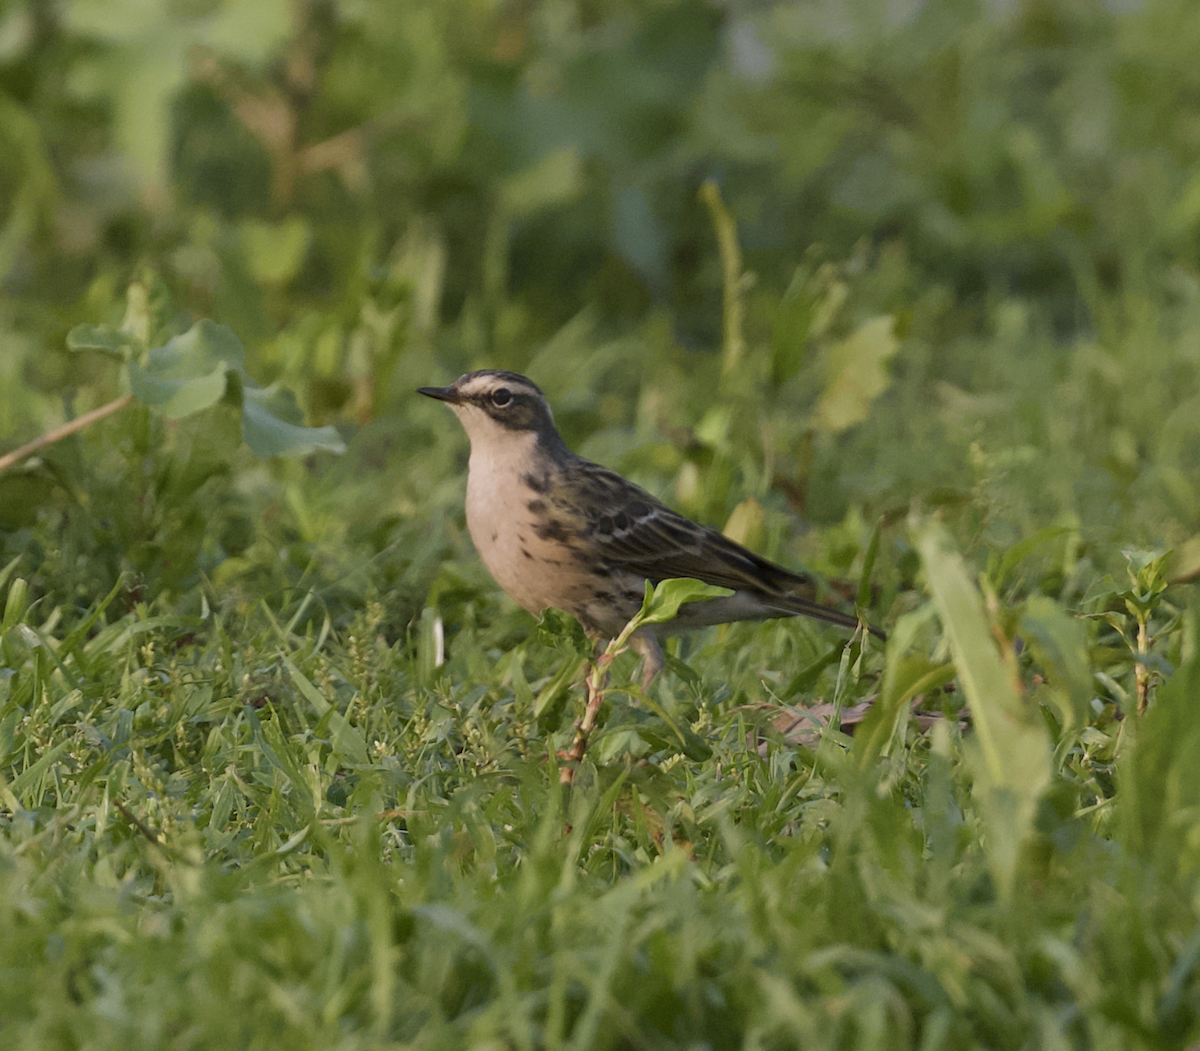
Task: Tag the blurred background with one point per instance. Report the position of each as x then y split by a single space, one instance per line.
969 237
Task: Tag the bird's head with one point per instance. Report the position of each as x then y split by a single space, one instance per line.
496 406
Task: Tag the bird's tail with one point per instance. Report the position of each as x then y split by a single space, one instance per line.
802 607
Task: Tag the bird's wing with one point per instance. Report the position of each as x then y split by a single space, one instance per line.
633 531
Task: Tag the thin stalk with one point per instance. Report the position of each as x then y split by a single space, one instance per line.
1141 672
597 680
59 433
733 281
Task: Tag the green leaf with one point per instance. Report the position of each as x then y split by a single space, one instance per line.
1148 572
1140 561
856 375
275 252
808 676
281 754
561 630
8 570
189 373
680 736
558 685
272 425
863 600
16 603
745 524
175 396
1158 774
1009 753
103 338
662 602
1059 644
1020 551
28 777
905 675
348 741
790 329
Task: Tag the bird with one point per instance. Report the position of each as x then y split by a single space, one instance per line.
555 529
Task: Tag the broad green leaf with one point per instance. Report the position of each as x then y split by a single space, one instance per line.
1009 752
189 373
1059 644
856 374
275 252
271 425
176 397
104 338
201 347
1139 561
662 602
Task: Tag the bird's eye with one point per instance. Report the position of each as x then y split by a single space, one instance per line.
501 397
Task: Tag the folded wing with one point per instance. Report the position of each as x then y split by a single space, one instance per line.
635 532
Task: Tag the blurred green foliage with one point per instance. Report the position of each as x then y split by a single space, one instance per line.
906 292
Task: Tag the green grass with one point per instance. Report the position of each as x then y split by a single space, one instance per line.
905 296
220 831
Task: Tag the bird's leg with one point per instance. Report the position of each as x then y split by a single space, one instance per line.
645 642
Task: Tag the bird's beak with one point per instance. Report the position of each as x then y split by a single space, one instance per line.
442 394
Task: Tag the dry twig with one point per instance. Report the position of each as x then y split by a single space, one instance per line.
59 433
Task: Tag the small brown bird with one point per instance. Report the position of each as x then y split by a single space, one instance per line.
555 529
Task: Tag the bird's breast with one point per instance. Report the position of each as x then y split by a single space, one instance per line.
529 543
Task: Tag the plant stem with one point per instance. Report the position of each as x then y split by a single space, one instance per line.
1141 672
584 726
59 433
732 279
